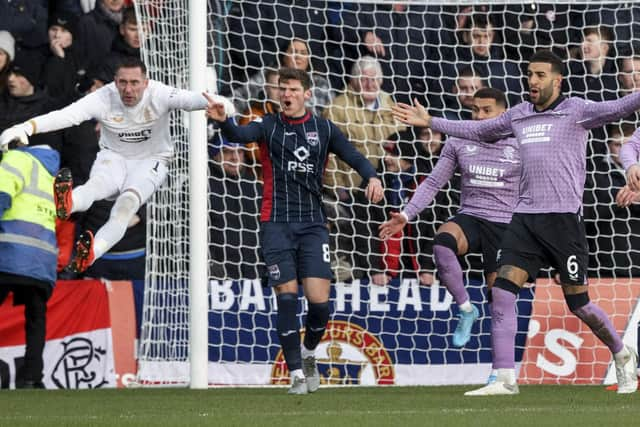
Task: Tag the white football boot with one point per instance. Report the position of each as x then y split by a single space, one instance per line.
626 374
504 384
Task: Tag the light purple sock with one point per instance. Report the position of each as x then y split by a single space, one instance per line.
450 273
601 326
503 328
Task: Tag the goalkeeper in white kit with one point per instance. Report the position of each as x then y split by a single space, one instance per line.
135 149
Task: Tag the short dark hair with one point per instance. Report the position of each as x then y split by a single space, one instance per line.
623 128
603 31
492 93
477 20
548 57
286 74
270 72
129 16
132 62
469 71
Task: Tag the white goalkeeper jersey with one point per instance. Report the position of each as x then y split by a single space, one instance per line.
138 132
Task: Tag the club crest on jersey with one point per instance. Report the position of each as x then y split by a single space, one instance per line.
509 155
118 117
148 116
312 138
274 271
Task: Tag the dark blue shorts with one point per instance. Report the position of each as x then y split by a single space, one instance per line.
295 251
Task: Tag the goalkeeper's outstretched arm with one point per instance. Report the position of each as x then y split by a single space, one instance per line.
84 109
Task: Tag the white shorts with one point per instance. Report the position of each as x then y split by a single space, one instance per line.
117 174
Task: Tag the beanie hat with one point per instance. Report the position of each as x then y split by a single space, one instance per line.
7 43
28 66
64 20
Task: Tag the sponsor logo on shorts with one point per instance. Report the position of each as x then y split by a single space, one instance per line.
274 271
347 355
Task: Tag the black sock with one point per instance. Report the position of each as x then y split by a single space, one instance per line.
316 323
288 329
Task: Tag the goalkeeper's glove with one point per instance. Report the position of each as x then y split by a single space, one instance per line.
20 132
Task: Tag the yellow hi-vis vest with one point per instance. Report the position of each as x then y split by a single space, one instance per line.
27 228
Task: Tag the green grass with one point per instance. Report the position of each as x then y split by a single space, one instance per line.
539 406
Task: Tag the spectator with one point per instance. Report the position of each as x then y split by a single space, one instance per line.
386 260
96 32
126 44
267 28
592 75
622 18
532 26
613 231
460 102
593 72
629 75
7 52
428 146
24 99
297 56
481 51
253 43
363 114
26 20
268 99
61 71
28 246
405 40
234 222
73 7
258 109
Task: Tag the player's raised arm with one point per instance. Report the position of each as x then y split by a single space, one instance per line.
217 111
484 130
424 194
598 114
629 156
346 152
84 109
414 115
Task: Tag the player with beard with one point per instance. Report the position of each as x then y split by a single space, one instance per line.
547 226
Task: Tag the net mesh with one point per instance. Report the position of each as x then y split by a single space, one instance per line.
439 54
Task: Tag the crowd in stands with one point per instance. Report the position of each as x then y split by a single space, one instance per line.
370 56
362 58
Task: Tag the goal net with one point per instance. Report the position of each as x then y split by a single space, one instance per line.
399 333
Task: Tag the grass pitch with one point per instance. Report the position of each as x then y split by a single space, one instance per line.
539 406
